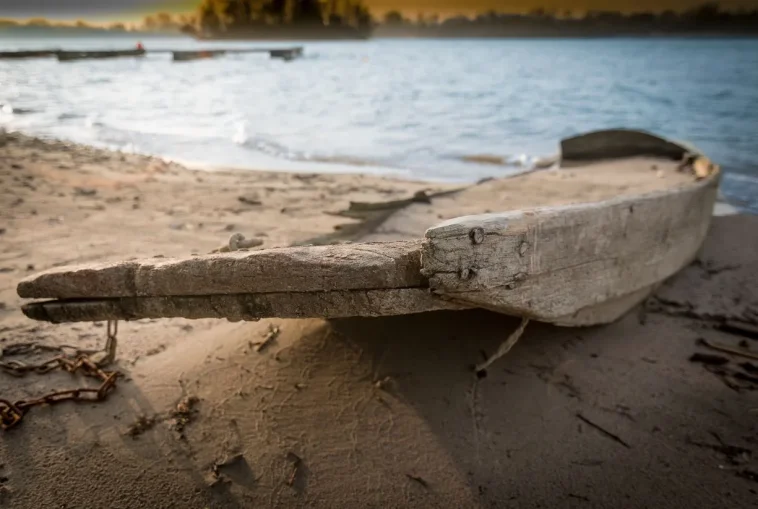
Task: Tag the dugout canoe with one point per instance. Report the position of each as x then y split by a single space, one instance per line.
572 264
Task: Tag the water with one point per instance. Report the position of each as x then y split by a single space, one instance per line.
403 107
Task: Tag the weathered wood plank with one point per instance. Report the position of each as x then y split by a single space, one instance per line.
299 269
334 304
551 263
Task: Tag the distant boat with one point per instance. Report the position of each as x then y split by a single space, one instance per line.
67 56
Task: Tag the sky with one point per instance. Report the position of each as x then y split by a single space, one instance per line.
101 10
131 10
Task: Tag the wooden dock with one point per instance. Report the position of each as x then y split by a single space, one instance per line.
286 53
71 56
281 53
43 53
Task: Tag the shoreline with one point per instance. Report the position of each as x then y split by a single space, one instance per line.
353 168
508 166
382 32
347 168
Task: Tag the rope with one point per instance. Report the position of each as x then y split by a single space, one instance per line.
505 347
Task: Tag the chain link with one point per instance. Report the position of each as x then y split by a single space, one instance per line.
81 361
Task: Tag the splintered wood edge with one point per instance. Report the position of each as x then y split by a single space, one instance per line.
249 307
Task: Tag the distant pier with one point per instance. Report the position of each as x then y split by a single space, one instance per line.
286 54
281 53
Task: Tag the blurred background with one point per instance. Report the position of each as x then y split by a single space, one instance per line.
441 90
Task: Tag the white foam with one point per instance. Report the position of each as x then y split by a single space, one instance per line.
91 121
240 134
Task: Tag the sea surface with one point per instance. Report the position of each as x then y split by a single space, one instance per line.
413 108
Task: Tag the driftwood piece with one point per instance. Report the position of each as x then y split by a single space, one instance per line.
300 269
550 264
371 216
334 304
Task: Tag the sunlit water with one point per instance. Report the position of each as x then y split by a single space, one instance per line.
413 108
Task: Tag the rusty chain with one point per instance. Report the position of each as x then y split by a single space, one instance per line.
80 361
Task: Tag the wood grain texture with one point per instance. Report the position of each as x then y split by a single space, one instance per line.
300 269
334 304
549 264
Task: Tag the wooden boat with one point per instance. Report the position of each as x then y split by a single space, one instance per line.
28 54
571 264
186 56
68 56
286 54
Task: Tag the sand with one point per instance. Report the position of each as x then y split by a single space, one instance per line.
357 412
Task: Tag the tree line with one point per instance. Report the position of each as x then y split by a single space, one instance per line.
219 15
223 15
45 23
707 16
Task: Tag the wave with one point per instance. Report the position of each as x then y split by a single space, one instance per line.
264 144
70 116
98 81
91 121
240 134
644 94
267 146
737 176
722 94
7 109
518 161
347 160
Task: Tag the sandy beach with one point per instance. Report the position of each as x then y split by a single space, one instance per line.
380 412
